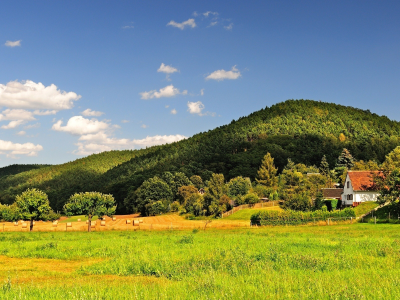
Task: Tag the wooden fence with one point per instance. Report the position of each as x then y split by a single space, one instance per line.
246 206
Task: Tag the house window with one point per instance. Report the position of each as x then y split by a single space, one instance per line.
348 184
350 197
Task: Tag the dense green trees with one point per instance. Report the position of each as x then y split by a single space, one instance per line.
302 130
90 204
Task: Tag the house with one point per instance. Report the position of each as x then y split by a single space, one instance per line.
335 193
201 191
359 187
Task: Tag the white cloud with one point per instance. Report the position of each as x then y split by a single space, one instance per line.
213 23
222 74
78 125
202 92
229 27
125 121
206 14
166 106
144 126
197 108
12 149
16 114
92 113
128 27
188 23
168 91
21 132
167 69
13 44
31 95
13 124
174 111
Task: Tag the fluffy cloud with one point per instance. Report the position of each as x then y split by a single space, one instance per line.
167 69
13 124
13 44
78 125
174 111
31 95
128 27
202 92
222 74
12 149
21 132
197 109
188 23
91 113
125 121
144 126
16 114
168 91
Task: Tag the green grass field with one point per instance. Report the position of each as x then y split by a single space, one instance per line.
245 214
360 261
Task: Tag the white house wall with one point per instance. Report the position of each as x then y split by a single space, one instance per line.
364 196
347 191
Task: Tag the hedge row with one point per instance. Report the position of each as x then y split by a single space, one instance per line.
291 217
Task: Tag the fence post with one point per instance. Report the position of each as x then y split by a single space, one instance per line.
375 220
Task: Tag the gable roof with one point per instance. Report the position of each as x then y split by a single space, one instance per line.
332 193
363 180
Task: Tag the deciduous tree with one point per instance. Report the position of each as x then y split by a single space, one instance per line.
33 205
90 204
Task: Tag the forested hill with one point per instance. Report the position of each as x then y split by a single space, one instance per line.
15 169
302 130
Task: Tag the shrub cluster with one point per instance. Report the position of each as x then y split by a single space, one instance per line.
291 217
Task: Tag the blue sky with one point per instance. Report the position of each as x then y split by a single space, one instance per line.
79 77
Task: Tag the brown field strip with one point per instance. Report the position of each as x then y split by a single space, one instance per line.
163 222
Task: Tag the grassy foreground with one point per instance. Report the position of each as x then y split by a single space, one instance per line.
359 261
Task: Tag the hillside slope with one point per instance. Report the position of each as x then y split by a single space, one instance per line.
303 130
15 169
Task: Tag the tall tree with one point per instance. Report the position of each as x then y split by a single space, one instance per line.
33 205
345 159
90 204
324 167
266 174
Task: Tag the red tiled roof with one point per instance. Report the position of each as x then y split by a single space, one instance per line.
363 180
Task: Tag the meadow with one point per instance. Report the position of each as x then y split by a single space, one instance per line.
359 261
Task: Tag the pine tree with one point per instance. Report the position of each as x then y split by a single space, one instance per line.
324 167
345 159
266 174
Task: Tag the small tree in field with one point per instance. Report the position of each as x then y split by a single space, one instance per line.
90 204
33 205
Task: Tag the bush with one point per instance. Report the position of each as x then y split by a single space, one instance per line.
175 206
9 213
262 191
301 202
155 208
291 217
251 199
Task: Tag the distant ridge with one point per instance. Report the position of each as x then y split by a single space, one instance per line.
303 130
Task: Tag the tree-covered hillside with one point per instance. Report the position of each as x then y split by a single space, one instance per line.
302 130
15 169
